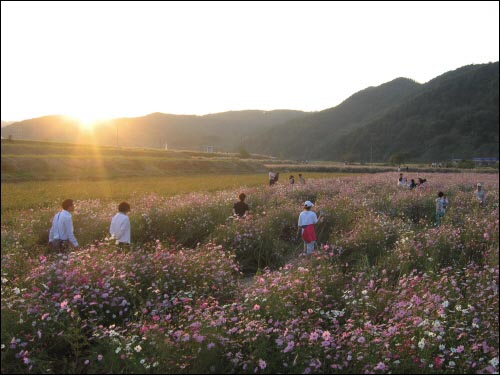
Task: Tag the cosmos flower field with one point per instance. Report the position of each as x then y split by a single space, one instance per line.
386 291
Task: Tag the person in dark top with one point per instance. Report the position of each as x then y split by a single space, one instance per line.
241 208
412 185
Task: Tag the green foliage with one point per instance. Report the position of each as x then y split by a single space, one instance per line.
243 153
399 158
455 114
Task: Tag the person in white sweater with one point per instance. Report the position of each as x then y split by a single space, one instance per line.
120 225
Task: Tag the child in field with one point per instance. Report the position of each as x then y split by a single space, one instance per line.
441 204
302 180
480 194
120 225
291 179
61 231
240 208
307 220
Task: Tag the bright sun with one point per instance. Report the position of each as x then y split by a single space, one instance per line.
85 122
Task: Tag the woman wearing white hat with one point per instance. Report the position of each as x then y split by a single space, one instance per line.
307 219
480 194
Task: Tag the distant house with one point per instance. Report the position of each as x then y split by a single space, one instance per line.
478 162
484 161
208 149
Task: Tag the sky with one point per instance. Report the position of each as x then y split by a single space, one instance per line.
98 60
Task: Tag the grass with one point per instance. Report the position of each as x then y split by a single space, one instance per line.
33 194
28 160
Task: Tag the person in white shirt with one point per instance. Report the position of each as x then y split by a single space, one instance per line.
61 231
307 219
120 225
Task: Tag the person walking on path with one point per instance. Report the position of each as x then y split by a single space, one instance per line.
61 231
307 220
120 225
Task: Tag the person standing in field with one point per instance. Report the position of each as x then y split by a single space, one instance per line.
240 208
441 204
480 194
120 225
272 176
291 179
400 180
307 220
61 231
302 180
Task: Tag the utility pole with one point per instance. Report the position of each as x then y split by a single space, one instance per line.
371 152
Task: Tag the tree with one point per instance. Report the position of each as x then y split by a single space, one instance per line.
399 158
244 154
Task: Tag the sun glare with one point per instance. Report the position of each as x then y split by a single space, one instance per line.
85 122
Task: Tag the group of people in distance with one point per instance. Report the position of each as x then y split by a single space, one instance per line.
403 182
61 232
291 179
441 200
273 178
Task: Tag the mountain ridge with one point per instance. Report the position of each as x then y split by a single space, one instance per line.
379 120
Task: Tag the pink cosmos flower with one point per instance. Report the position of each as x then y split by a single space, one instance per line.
262 364
326 335
438 361
256 307
289 347
381 366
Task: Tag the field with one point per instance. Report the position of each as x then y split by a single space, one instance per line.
48 161
385 292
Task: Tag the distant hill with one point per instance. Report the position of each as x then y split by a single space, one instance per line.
311 136
225 131
453 115
6 123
